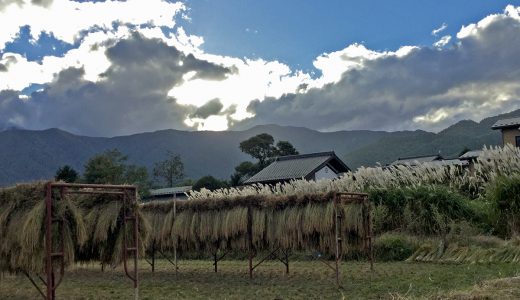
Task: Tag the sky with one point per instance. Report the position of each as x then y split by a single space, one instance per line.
107 68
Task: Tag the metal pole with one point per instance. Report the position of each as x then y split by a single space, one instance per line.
48 242
286 252
338 238
174 218
136 239
215 260
250 240
370 232
153 256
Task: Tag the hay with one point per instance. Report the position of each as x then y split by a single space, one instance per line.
92 227
505 252
291 222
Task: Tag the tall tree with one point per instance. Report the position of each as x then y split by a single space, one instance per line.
260 147
106 167
284 148
67 174
169 170
110 167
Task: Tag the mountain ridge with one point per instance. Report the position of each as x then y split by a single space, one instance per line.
27 155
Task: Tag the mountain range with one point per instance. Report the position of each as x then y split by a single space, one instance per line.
27 155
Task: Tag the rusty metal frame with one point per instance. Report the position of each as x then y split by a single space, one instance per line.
128 195
346 199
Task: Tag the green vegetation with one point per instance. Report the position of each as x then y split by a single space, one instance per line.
169 170
307 280
66 174
110 167
262 148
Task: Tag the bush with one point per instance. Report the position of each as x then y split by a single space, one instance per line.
504 196
424 210
394 247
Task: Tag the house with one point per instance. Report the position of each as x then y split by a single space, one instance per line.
416 160
179 193
313 166
510 131
471 158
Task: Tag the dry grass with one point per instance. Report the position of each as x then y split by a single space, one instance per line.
307 280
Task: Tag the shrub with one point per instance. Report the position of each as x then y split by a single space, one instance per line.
430 209
394 247
504 196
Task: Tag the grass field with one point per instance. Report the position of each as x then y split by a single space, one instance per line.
307 280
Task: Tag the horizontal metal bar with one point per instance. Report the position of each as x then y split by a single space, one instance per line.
131 218
132 249
94 192
57 254
94 186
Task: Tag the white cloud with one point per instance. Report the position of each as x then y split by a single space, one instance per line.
436 31
445 40
66 19
167 80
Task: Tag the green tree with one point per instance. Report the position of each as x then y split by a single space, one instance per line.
110 167
210 183
284 148
66 174
260 147
106 168
169 170
263 149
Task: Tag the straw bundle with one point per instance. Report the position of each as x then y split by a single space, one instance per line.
508 252
22 229
290 222
92 226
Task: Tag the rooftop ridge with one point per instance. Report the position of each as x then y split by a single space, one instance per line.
420 156
297 156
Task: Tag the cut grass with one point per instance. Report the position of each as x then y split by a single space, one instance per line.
307 280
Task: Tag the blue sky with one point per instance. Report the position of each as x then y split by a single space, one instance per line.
109 68
297 31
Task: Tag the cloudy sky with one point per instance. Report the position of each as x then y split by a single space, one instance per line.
106 68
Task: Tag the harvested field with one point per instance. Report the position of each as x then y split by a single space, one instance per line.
308 280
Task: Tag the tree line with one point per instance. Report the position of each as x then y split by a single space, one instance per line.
112 167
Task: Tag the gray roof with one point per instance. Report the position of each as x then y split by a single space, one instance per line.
415 160
171 191
470 154
504 123
297 167
451 162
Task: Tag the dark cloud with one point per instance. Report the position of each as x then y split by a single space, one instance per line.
12 110
465 81
131 97
213 107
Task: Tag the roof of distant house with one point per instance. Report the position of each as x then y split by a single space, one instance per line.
297 167
470 154
450 162
170 191
414 160
506 123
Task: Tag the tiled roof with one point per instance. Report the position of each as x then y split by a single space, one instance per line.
470 154
512 122
170 191
415 160
296 167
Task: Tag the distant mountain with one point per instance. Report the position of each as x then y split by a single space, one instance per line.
27 155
